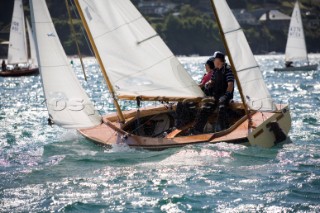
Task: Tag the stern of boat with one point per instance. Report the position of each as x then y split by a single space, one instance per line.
273 130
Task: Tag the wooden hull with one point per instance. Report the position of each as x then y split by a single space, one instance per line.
110 132
20 72
302 68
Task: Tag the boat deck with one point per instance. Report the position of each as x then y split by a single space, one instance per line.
110 132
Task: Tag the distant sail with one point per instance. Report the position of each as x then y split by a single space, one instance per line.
17 52
67 102
34 62
247 69
137 60
296 45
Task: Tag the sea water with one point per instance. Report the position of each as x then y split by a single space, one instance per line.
49 169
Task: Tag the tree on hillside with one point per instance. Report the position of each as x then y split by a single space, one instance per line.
191 32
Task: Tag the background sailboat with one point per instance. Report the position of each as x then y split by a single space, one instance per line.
296 48
18 63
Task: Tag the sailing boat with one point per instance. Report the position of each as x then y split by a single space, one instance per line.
296 48
137 65
18 63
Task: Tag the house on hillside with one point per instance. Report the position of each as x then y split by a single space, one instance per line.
155 8
275 19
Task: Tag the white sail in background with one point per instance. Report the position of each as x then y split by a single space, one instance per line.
246 67
17 52
33 55
67 102
137 60
296 45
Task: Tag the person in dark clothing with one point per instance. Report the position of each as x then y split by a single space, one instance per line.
3 65
289 64
220 87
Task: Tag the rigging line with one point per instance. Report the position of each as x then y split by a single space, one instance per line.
85 37
73 32
145 122
81 27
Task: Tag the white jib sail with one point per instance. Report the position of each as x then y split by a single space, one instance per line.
33 55
67 102
296 45
17 52
248 71
137 60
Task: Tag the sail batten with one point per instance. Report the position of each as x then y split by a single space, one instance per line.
135 57
68 104
296 45
17 52
254 91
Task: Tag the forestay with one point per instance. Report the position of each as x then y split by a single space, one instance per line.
34 62
247 69
296 45
137 60
67 102
17 52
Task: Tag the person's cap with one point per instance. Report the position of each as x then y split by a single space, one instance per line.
219 55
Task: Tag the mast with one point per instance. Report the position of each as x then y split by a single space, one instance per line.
230 59
105 75
75 40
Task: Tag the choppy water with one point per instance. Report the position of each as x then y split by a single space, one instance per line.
45 168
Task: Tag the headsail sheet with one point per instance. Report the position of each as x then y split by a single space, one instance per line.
33 55
296 45
247 69
137 60
17 52
67 102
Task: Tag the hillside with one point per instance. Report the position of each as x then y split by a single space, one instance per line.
188 26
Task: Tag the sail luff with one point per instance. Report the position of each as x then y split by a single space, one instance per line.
296 48
103 70
17 52
230 59
33 54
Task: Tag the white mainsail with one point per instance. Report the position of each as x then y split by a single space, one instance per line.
17 52
247 69
137 60
33 55
67 102
296 45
